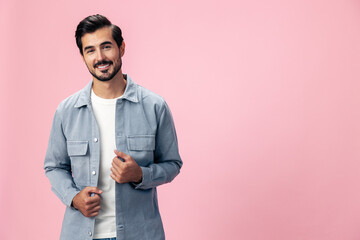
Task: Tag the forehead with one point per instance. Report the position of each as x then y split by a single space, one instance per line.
96 38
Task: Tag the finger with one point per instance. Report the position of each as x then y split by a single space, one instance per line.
118 163
96 197
112 176
90 190
93 215
92 206
121 154
95 209
127 158
94 212
118 153
93 199
115 171
115 178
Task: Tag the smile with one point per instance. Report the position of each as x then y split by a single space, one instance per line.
103 67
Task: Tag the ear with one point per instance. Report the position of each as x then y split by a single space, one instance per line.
122 49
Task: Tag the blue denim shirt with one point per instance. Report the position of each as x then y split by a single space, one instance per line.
144 129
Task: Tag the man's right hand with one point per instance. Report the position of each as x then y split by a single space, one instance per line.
86 202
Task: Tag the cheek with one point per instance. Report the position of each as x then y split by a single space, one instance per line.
89 63
114 55
117 59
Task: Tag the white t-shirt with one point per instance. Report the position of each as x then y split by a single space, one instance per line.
104 111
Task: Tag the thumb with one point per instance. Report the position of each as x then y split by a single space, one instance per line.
122 155
90 190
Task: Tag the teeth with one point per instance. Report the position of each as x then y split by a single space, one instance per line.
104 66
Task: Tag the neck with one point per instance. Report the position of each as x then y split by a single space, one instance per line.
113 88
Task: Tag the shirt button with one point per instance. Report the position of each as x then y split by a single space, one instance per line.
93 173
95 139
90 233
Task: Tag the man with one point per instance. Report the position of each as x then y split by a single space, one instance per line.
111 144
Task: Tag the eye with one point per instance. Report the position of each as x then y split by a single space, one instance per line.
107 47
90 51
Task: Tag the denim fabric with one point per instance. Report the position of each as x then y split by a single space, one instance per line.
105 239
144 129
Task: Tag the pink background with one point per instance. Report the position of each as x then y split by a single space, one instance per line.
265 96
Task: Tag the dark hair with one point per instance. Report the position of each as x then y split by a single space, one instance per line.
93 23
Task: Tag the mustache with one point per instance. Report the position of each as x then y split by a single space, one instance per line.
101 63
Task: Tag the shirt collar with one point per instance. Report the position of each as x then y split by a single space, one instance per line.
129 94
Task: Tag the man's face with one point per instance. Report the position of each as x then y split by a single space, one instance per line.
101 54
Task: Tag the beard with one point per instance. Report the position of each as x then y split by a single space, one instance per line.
106 76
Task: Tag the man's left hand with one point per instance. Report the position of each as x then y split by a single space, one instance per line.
125 171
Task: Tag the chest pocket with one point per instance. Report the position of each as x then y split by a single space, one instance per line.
80 161
141 148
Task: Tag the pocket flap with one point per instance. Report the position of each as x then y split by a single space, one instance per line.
77 148
141 142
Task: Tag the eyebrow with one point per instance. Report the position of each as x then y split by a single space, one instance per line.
102 44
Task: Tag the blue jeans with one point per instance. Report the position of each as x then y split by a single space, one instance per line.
105 239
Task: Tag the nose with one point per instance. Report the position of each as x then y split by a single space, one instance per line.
99 56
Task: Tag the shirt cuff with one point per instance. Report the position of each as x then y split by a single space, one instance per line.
69 197
146 178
